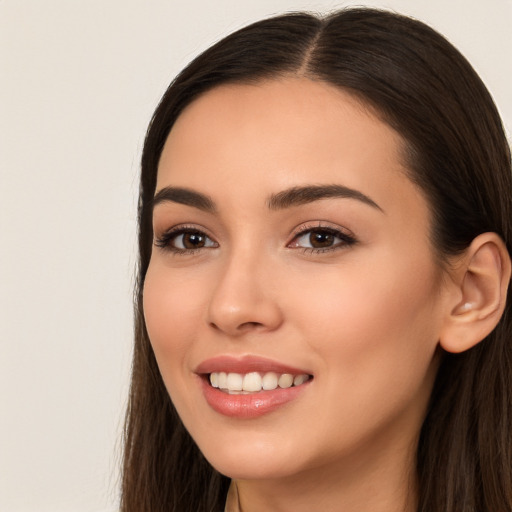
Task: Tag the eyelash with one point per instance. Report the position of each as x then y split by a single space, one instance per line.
346 239
165 240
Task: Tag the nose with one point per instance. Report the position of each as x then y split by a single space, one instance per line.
244 298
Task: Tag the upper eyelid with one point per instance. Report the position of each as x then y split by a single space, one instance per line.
167 239
298 230
319 224
163 238
345 235
177 228
301 228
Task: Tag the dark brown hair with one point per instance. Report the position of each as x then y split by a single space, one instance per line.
456 152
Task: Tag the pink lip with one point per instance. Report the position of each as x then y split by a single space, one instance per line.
246 364
251 405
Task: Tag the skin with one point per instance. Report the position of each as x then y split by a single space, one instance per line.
364 318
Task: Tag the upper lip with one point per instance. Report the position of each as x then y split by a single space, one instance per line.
246 364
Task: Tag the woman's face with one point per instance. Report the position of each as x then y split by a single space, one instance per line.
289 241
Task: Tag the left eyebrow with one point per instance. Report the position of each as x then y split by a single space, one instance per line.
296 196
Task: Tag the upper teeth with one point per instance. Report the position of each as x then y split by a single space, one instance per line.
254 381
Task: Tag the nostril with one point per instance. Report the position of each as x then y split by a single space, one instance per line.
243 327
249 325
213 325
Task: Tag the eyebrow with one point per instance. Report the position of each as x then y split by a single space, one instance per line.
185 196
302 195
291 197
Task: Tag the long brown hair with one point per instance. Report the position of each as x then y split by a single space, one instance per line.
457 153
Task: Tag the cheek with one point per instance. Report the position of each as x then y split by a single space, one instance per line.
374 335
171 309
374 319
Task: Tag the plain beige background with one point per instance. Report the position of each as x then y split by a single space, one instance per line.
78 83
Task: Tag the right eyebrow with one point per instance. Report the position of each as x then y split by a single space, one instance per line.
184 196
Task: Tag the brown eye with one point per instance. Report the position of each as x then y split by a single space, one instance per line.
185 240
321 239
191 241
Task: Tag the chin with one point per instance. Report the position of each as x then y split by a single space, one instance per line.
252 469
252 460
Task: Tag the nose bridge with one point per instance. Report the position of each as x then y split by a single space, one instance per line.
244 297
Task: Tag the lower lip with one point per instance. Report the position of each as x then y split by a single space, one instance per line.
252 405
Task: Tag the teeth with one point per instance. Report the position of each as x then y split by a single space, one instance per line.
299 379
222 380
234 382
253 382
285 381
269 381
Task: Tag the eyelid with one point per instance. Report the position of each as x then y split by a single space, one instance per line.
164 239
320 224
346 236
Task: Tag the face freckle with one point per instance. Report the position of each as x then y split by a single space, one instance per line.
340 290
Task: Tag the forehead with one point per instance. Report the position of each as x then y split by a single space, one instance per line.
276 134
314 108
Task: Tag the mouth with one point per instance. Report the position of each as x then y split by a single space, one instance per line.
255 382
249 387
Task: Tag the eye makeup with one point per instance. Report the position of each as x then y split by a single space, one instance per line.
316 238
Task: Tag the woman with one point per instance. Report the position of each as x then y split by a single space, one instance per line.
322 323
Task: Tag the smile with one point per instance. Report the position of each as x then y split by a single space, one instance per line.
254 382
251 386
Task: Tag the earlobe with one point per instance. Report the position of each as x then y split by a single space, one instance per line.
482 279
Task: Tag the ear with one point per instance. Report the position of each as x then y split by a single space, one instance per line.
481 281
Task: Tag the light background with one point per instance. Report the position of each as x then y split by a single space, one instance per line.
78 83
